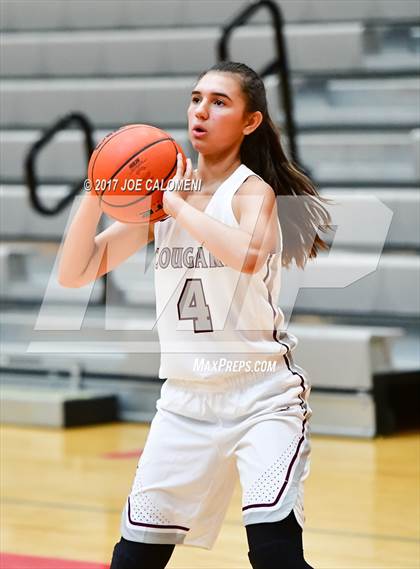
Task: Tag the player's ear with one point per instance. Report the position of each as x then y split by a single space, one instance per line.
253 122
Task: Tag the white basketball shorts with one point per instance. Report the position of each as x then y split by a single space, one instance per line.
203 435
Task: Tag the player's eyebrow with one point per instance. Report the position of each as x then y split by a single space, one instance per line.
214 93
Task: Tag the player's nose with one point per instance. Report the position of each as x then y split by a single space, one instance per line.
201 111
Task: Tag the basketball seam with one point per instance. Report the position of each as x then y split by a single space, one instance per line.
153 212
111 136
125 164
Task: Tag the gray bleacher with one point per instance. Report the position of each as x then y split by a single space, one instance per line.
380 158
60 14
355 80
112 53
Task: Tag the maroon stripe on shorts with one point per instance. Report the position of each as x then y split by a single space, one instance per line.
151 525
279 495
288 359
287 356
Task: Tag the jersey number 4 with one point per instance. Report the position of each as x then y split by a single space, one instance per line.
192 306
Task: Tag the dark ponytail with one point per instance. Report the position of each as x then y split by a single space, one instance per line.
262 152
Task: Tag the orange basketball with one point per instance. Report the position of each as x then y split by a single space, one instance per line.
128 170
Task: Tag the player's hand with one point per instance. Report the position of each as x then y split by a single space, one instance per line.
174 195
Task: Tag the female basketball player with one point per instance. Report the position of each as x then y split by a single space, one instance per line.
218 325
234 400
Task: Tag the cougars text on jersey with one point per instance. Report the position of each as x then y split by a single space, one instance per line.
185 257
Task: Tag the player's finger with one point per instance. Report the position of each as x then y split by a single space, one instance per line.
179 166
188 171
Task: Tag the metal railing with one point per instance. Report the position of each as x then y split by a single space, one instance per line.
31 177
279 65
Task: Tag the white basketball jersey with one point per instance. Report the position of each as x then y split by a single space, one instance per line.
209 314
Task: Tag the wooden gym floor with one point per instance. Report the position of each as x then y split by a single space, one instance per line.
62 492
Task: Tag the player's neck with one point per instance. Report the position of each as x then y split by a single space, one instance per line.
213 173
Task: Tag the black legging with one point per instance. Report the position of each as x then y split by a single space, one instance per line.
276 545
135 555
272 545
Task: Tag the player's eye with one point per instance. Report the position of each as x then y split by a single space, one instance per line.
194 99
219 101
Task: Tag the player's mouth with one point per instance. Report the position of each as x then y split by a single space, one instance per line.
198 131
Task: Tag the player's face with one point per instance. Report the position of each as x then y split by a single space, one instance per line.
217 106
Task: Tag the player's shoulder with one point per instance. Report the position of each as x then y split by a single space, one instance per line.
254 185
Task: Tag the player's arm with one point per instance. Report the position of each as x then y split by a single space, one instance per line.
86 257
257 215
244 248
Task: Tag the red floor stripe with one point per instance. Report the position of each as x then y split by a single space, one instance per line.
116 455
12 561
